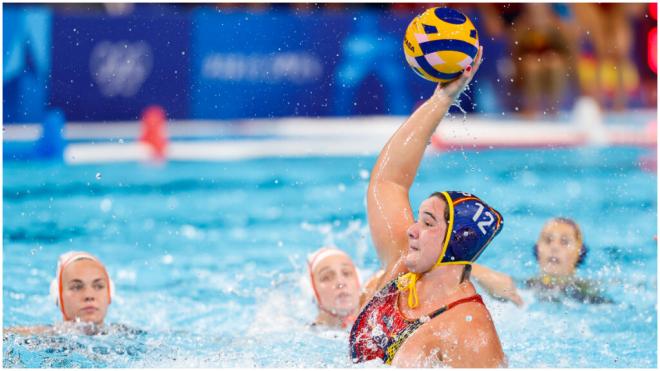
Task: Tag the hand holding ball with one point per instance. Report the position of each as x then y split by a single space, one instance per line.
440 43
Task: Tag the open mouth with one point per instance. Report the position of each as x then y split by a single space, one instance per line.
413 248
553 260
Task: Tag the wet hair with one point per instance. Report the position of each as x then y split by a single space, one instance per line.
444 201
467 269
578 236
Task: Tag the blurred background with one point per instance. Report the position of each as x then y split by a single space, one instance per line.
107 62
271 117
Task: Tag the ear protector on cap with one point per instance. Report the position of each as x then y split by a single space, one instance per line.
63 261
471 226
312 262
316 257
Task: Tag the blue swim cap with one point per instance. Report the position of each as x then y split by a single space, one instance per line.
471 225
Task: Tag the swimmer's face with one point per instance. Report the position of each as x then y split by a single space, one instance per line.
336 282
426 235
558 249
85 291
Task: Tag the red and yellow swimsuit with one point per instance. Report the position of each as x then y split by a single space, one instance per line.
380 329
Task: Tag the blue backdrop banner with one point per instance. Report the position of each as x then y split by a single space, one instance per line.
312 64
111 68
211 64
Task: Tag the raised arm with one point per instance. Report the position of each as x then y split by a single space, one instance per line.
388 205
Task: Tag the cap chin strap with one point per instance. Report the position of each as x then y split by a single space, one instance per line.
409 280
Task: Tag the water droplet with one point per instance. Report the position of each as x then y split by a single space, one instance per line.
98 176
121 141
106 205
468 318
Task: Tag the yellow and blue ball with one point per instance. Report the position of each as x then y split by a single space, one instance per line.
440 43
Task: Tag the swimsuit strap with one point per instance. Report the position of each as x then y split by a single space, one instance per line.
398 340
474 298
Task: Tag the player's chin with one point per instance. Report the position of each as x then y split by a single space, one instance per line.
412 260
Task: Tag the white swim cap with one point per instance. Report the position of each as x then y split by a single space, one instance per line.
63 261
315 258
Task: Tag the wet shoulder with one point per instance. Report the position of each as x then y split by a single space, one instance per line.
466 330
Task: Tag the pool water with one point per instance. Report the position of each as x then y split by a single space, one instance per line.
209 258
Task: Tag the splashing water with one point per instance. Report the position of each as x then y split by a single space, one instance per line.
213 277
